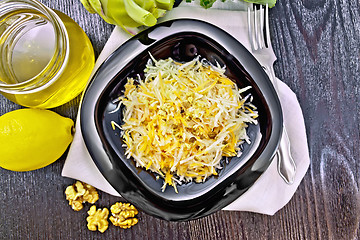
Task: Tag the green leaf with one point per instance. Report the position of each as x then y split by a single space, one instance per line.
207 3
262 2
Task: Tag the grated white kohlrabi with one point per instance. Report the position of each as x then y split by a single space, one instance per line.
181 119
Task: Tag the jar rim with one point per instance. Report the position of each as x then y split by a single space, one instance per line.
58 61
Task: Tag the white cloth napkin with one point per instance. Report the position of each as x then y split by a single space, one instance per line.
269 193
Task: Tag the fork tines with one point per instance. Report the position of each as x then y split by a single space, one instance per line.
258 26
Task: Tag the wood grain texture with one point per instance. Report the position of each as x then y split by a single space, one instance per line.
317 43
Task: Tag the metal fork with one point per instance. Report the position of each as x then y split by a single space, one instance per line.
259 36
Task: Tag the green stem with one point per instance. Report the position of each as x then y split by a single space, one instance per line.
139 14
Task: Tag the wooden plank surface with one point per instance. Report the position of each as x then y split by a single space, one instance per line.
317 43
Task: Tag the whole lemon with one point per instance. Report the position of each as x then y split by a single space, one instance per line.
33 138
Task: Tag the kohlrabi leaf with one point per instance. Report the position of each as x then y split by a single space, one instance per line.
263 2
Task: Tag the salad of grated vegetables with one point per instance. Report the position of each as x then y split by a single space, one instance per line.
182 118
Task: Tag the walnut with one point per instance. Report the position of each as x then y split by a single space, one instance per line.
79 193
123 215
97 219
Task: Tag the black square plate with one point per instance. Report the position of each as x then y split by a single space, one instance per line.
182 40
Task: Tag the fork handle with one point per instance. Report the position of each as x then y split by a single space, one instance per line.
286 164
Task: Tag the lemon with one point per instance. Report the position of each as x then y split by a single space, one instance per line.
33 138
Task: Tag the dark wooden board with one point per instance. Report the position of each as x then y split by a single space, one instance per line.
317 43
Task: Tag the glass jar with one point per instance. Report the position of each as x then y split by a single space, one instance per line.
46 58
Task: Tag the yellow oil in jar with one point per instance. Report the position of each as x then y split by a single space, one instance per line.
32 54
33 48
